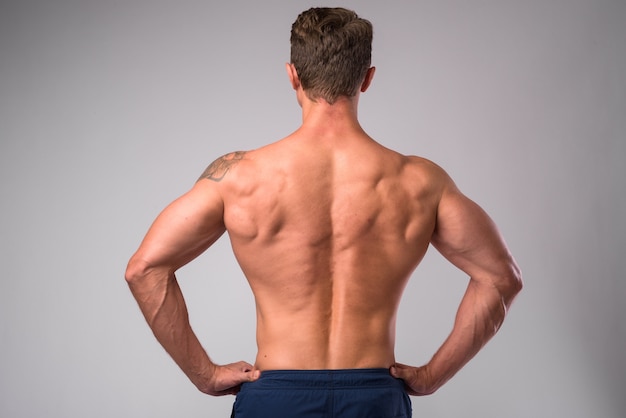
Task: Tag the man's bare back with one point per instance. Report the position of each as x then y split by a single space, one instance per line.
327 231
327 226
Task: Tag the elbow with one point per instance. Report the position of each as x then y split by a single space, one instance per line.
513 284
142 275
516 278
136 271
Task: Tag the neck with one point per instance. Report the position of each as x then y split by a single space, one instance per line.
326 119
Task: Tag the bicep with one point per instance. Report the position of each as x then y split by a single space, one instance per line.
184 229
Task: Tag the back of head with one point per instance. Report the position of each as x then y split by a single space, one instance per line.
331 49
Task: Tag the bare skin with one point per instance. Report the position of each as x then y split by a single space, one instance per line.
327 226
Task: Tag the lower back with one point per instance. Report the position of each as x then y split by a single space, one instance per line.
301 342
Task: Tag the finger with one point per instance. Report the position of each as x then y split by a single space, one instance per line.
254 375
245 366
246 373
399 371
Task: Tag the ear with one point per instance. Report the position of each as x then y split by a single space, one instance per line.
369 75
293 76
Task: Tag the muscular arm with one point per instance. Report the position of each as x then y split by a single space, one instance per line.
186 228
468 238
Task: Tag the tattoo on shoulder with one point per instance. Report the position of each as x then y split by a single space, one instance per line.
218 169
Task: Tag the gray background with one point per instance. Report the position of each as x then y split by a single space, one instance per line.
111 109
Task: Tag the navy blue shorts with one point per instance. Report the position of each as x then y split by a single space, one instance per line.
358 393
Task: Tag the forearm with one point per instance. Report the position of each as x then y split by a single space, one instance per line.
162 304
480 315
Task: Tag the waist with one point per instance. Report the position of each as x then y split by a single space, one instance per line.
303 346
326 379
310 358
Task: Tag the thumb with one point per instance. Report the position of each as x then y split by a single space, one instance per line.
253 375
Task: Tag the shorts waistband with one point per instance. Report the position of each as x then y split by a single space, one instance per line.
342 378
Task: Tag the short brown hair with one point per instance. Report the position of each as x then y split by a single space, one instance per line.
331 49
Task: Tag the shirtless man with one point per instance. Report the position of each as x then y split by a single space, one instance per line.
327 226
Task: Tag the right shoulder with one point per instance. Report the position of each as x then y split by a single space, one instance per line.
218 169
244 164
